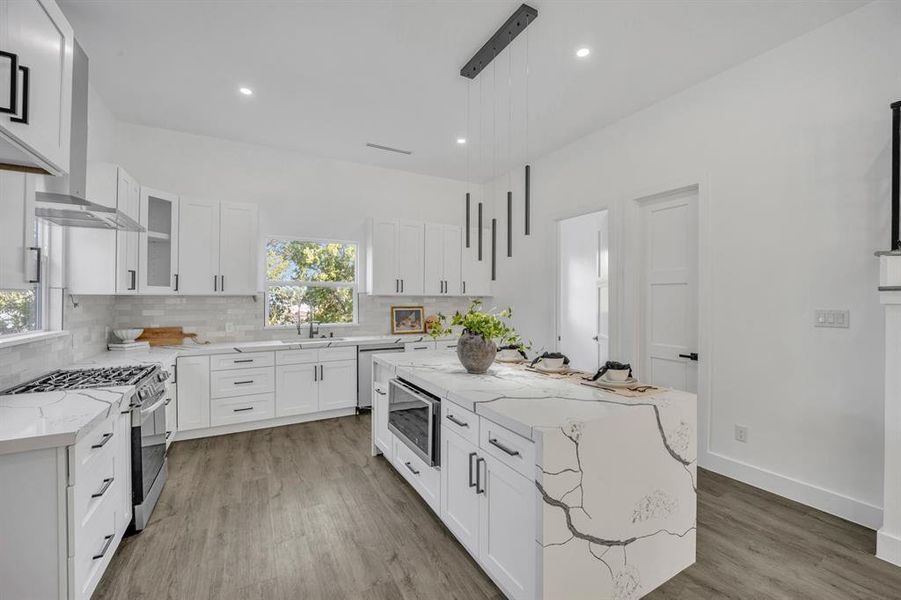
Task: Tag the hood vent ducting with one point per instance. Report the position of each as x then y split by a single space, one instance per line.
72 211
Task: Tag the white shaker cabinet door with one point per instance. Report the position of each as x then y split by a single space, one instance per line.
459 493
382 434
128 197
18 258
452 259
296 391
507 547
433 256
476 274
193 392
383 277
158 253
238 248
338 385
198 247
38 34
410 262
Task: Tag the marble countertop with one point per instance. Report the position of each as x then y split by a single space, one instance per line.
520 400
52 419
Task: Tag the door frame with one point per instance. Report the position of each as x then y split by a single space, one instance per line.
624 228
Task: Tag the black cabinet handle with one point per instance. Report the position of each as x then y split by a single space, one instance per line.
243 382
215 283
222 283
13 83
106 437
315 372
479 489
106 483
134 279
107 541
24 118
457 421
242 409
168 434
243 360
167 402
176 283
379 392
471 482
464 287
497 444
321 373
401 286
412 470
690 356
37 265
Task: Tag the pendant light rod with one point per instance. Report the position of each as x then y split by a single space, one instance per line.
480 231
467 219
493 249
515 25
528 185
509 224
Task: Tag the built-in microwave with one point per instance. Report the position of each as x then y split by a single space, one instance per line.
414 417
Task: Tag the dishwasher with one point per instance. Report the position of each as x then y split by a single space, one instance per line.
364 370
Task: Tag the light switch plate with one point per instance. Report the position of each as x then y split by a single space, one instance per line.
832 318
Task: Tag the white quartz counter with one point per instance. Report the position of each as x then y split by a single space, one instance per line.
53 419
522 401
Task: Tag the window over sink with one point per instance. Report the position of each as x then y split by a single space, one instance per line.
310 280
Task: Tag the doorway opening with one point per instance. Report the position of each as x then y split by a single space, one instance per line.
583 291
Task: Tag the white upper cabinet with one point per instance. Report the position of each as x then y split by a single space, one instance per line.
18 251
35 85
443 260
476 273
218 250
102 261
198 250
395 258
158 255
239 248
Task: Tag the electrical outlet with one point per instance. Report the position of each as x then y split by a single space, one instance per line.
832 318
741 434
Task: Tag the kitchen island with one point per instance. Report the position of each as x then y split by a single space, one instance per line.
557 489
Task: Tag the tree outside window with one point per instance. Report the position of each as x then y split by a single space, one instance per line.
310 279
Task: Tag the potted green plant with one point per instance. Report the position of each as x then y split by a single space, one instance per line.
482 332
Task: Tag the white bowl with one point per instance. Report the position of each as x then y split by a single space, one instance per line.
127 335
509 354
617 374
552 363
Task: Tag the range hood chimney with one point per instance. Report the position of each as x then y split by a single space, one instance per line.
64 203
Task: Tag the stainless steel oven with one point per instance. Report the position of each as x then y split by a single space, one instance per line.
148 448
414 417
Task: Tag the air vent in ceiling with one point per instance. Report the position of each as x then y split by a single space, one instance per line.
388 148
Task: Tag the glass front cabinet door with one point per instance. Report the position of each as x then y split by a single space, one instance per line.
159 242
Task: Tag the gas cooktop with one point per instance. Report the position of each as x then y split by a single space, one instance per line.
85 378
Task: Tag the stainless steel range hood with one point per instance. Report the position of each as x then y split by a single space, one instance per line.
63 201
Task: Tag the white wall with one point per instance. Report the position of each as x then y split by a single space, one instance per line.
791 151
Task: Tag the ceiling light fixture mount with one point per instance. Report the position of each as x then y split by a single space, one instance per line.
515 25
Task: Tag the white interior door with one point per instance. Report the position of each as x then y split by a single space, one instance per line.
669 327
582 303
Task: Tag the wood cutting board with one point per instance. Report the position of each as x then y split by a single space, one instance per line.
166 336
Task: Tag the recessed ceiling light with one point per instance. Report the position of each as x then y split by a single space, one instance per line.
246 91
461 140
583 52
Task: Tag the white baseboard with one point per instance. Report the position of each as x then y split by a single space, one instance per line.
851 509
192 434
888 547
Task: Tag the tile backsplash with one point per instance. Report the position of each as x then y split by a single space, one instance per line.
22 362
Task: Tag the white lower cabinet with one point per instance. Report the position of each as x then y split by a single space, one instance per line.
295 389
228 411
193 392
338 385
382 436
459 499
315 381
424 479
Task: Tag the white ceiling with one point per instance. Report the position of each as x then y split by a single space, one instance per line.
330 76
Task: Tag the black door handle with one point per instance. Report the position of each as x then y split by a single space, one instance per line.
691 356
479 489
24 118
471 482
13 83
176 283
38 261
134 279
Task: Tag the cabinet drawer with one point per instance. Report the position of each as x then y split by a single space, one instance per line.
226 411
510 448
343 353
94 546
463 422
446 344
424 479
296 357
241 360
242 382
415 346
94 485
88 450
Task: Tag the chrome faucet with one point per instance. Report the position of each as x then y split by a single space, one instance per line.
313 329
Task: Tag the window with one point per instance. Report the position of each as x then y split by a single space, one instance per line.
19 311
310 279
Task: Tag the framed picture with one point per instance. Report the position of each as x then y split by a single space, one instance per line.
407 319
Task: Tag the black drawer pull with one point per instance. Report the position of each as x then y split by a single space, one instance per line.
479 489
412 470
457 421
13 83
690 356
243 360
24 118
107 541
106 483
168 402
380 392
242 409
106 437
244 382
168 434
420 347
497 444
471 482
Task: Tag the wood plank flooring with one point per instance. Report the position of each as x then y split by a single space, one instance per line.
303 512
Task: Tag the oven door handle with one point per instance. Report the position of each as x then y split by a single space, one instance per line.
153 407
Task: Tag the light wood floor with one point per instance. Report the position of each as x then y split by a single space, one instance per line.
303 512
